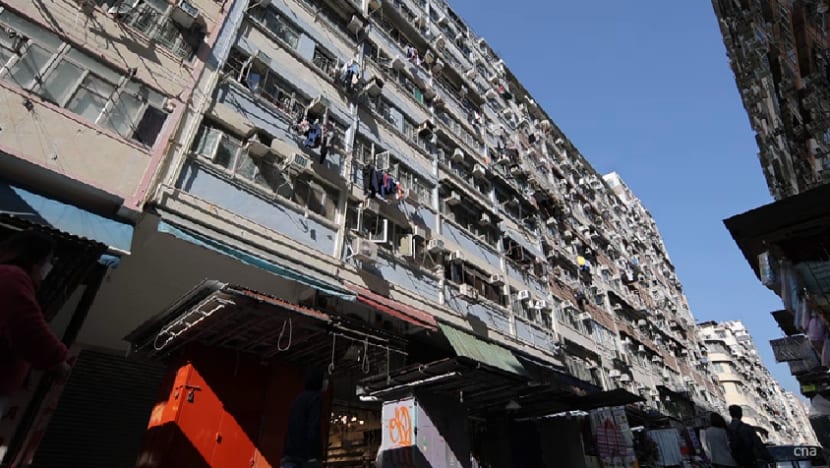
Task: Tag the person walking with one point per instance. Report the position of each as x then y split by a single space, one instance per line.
26 341
715 442
747 448
303 442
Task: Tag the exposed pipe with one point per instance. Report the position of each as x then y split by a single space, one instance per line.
416 383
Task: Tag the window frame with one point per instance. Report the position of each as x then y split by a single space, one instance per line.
63 51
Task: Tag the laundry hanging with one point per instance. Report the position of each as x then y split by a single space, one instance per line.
314 135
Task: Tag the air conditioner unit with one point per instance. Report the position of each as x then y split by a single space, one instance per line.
503 159
413 197
468 291
484 220
456 256
551 221
435 246
655 359
398 63
496 280
318 105
438 66
490 94
614 373
642 323
584 317
470 74
185 14
523 295
457 155
454 199
256 148
479 171
419 232
426 128
641 349
539 304
625 378
440 42
364 250
374 86
299 163
355 25
406 249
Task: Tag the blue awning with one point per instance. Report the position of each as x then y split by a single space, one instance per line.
38 209
256 261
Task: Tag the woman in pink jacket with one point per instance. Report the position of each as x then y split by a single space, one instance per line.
25 338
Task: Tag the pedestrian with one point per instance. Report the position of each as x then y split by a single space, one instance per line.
746 446
715 442
303 442
26 341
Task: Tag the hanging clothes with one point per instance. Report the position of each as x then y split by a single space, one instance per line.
324 148
370 186
668 446
313 136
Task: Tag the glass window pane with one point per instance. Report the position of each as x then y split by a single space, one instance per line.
206 141
5 54
226 152
27 69
246 167
61 82
31 30
87 104
122 116
98 86
269 176
94 66
150 126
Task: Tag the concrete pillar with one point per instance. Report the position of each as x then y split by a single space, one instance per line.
423 432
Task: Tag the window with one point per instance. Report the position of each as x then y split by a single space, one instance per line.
263 81
277 24
227 152
71 79
468 216
465 273
153 19
324 61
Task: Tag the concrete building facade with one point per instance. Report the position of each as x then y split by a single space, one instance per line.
371 162
748 383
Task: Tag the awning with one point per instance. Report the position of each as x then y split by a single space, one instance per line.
255 260
19 203
468 346
219 315
394 308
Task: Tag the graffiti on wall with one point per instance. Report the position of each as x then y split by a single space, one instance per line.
400 427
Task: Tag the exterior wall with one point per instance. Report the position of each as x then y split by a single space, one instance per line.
748 383
111 160
778 53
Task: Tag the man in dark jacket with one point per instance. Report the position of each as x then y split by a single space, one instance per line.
747 448
303 442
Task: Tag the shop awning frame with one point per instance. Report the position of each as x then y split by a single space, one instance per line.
397 309
220 315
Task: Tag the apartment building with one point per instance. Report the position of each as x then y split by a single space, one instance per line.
91 93
778 52
362 186
799 411
748 383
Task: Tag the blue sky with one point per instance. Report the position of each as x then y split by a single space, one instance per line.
644 88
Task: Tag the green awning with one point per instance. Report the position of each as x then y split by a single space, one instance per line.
470 347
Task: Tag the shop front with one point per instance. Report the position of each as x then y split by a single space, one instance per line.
87 246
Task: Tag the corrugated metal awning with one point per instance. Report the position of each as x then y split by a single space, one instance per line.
394 308
468 346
